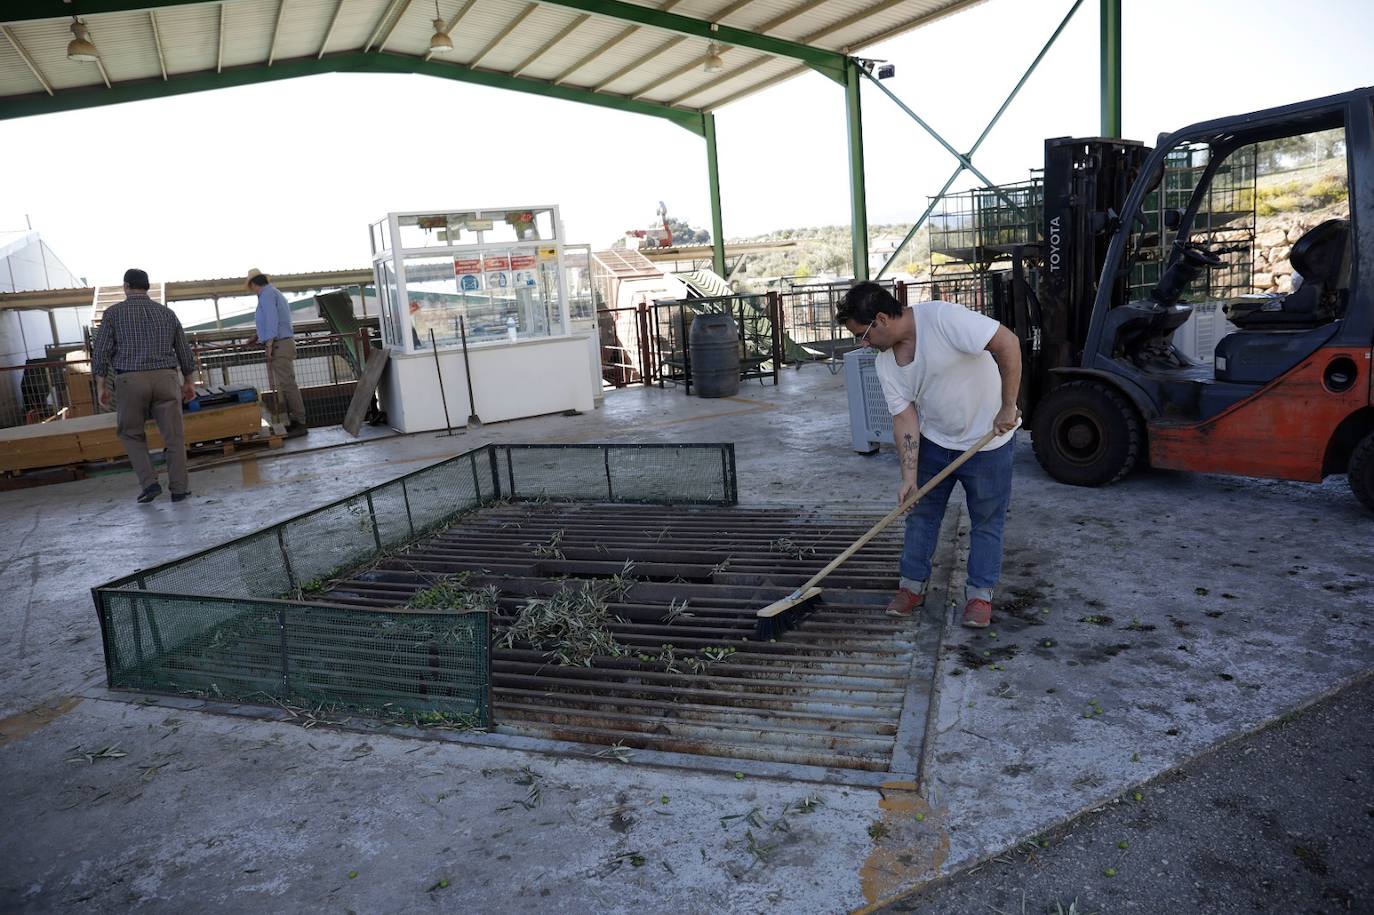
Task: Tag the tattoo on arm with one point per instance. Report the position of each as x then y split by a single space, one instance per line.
908 450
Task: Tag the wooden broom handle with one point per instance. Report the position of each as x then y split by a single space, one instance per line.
897 512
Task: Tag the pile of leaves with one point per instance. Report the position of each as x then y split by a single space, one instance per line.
572 626
452 593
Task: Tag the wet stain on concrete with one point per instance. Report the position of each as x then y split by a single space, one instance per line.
973 657
912 848
21 725
1024 607
252 476
1098 654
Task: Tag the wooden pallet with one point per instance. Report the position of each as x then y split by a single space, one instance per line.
264 439
93 438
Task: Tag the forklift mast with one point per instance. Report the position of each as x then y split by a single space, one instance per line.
1086 182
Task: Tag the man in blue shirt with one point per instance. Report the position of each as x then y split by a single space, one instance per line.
275 334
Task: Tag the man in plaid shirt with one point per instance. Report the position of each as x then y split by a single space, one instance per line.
143 342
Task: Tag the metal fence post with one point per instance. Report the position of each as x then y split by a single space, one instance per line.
286 561
405 494
495 473
775 318
376 531
727 460
285 663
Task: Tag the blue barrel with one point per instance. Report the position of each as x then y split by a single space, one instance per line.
714 341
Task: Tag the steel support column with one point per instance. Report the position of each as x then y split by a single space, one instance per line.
858 202
708 123
1111 68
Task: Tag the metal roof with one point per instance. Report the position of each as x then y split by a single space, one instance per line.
636 55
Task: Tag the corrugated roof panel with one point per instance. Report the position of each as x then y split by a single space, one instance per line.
760 12
529 36
303 24
723 85
684 61
191 40
643 47
357 20
869 21
248 31
13 70
46 43
190 37
126 46
589 38
586 38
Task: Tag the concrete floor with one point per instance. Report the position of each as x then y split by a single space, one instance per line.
1139 626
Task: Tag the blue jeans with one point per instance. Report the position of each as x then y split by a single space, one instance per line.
987 488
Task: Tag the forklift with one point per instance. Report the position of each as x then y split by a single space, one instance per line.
1105 389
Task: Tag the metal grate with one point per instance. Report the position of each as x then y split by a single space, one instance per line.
828 693
198 624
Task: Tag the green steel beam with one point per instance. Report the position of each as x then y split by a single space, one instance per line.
828 63
1111 68
858 201
1006 103
353 62
713 178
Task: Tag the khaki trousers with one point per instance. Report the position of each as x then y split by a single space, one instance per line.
138 393
282 367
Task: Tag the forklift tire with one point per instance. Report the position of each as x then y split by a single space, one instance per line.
1086 434
1361 470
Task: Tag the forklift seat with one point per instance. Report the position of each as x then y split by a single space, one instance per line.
1322 258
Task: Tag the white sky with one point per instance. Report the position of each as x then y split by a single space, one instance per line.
286 176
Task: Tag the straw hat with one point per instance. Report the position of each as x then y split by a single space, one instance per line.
248 282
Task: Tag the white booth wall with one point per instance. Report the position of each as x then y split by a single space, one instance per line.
545 369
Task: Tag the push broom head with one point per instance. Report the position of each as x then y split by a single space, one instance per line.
781 615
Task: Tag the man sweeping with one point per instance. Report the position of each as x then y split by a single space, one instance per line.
949 375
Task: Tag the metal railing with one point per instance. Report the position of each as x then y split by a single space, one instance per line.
327 371
626 353
45 390
810 333
755 315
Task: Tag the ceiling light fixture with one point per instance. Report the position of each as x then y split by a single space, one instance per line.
439 42
80 47
713 62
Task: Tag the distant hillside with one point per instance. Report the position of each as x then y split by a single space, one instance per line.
825 249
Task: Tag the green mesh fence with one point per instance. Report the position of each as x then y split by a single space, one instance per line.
677 474
391 664
233 622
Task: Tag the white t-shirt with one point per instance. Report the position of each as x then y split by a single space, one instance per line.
953 381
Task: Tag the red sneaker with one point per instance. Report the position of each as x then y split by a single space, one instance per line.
904 602
977 613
